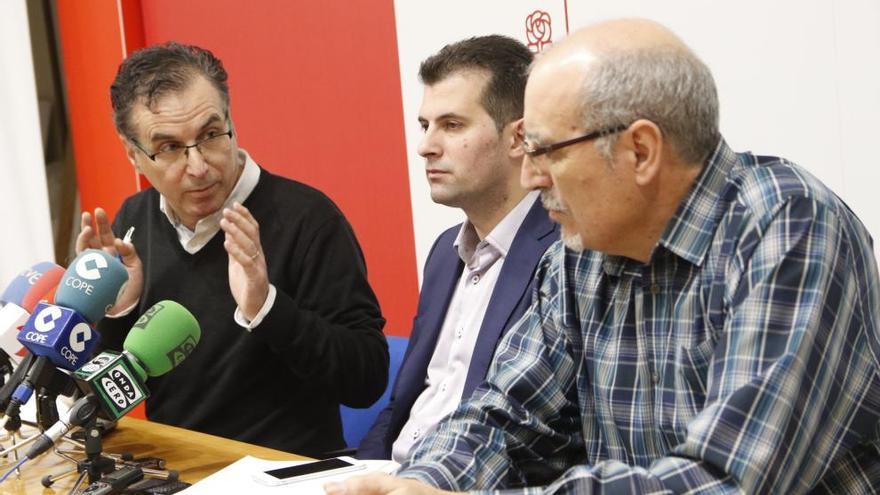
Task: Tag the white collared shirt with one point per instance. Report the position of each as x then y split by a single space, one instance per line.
449 365
193 241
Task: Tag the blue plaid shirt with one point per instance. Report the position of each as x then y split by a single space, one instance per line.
743 358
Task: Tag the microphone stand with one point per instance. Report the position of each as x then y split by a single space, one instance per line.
60 383
97 463
49 382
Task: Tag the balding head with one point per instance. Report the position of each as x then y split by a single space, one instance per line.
619 71
621 35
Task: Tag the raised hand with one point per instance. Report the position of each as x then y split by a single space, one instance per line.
248 278
99 235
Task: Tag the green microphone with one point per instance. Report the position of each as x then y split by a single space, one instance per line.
160 340
162 337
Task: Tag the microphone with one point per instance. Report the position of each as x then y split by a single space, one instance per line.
62 334
114 382
44 288
21 284
92 284
19 299
160 340
79 414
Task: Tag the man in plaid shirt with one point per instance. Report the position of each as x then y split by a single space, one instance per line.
710 324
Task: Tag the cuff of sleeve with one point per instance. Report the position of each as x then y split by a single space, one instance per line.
430 475
267 306
124 312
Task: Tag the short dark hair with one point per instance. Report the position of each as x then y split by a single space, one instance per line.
507 61
152 72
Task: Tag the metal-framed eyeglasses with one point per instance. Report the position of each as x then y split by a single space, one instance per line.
172 153
536 151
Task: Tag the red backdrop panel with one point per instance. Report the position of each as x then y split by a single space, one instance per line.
94 41
92 48
315 92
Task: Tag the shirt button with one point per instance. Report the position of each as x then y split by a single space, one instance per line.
458 333
475 279
443 388
655 378
415 434
655 289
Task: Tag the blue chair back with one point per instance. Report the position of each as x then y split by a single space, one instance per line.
357 422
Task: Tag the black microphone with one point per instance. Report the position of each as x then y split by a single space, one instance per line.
83 411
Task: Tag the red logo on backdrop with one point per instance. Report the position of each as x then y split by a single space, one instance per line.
538 30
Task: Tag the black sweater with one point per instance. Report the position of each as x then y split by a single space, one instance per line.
320 345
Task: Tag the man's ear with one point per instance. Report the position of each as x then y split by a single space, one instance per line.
644 141
130 151
513 134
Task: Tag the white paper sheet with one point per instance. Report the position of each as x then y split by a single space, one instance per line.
237 478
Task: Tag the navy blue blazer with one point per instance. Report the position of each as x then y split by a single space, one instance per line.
510 298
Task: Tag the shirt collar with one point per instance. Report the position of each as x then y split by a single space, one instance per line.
501 237
206 228
689 234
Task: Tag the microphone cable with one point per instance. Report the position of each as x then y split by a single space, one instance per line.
13 468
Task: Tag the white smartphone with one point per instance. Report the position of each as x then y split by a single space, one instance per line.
307 471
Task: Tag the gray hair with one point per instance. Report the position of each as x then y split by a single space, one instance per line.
671 87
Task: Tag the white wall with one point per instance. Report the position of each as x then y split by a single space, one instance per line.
798 79
422 29
24 201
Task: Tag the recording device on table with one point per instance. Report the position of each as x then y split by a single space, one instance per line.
307 471
130 480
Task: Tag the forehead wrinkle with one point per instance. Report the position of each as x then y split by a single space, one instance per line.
159 130
208 122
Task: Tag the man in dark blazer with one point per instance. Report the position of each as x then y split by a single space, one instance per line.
478 276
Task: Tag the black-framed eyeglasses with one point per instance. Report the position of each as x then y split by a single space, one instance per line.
171 153
543 150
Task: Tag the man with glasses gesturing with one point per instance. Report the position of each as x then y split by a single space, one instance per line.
290 326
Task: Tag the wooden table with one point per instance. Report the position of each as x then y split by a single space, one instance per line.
194 455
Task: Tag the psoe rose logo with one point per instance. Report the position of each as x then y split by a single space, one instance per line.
539 31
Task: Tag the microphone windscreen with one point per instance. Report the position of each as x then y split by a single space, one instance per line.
163 337
91 284
22 284
61 334
43 289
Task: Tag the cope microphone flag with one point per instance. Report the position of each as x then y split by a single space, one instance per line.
18 289
20 298
62 332
160 340
92 284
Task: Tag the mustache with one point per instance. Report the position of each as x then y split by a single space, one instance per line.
551 202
